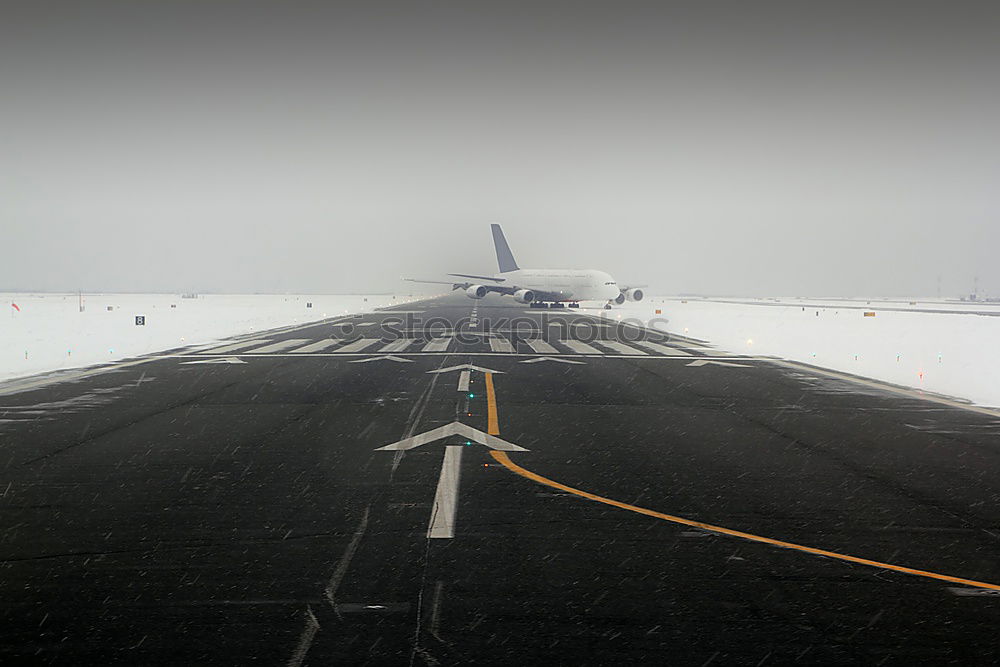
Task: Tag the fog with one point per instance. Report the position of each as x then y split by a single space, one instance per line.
830 149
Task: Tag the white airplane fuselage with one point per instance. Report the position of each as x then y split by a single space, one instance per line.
541 287
564 284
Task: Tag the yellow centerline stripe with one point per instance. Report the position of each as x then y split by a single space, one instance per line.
510 465
492 425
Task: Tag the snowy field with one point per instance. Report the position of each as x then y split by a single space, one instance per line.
49 331
953 353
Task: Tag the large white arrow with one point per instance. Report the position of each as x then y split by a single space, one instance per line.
535 360
442 522
465 367
454 428
387 357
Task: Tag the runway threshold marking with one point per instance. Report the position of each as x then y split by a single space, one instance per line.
318 346
540 346
279 346
504 460
438 345
492 423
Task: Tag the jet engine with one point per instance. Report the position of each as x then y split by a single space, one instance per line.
524 296
633 294
476 291
620 299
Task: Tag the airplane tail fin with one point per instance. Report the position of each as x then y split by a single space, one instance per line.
505 258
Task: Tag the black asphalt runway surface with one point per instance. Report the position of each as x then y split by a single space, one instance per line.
230 505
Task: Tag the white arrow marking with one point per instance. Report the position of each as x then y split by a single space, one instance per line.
223 360
561 361
454 428
463 380
442 523
702 362
387 357
463 367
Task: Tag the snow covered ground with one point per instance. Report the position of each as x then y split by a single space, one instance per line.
49 332
953 353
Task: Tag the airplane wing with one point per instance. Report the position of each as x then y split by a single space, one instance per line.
431 282
463 285
467 275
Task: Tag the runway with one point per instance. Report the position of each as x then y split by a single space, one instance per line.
477 482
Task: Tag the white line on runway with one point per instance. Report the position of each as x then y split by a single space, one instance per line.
540 346
500 345
535 360
463 380
579 347
620 347
442 524
702 362
345 560
357 345
397 345
318 345
305 639
235 346
437 345
216 360
279 346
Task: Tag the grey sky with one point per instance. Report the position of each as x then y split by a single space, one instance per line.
807 148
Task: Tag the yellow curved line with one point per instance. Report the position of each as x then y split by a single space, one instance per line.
510 465
493 425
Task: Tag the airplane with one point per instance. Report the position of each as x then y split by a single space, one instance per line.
541 288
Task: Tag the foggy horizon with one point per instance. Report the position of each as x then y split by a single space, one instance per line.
772 149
